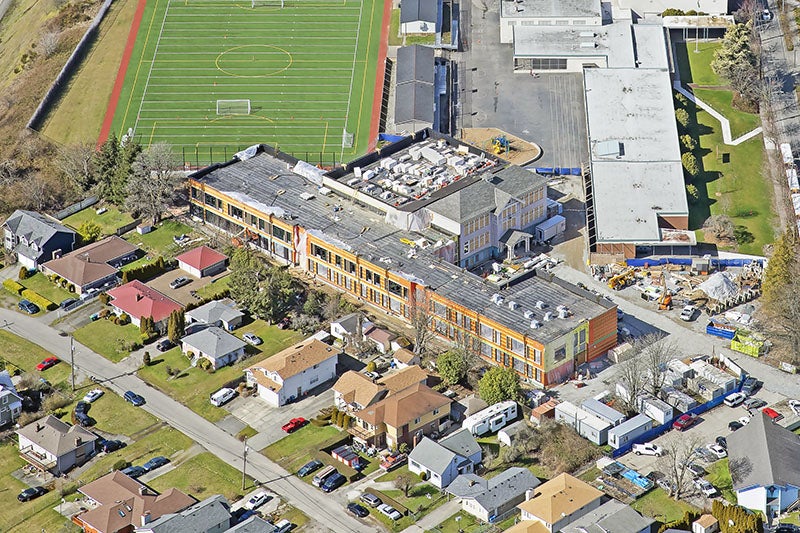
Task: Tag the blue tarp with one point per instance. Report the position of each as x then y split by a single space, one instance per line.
389 137
653 261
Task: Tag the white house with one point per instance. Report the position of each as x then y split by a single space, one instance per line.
290 374
404 358
346 327
10 400
491 500
445 460
222 313
214 344
766 475
50 445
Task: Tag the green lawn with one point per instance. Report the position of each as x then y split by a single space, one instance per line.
469 524
695 67
417 501
109 221
720 477
204 475
296 449
159 241
25 355
292 514
46 288
395 39
112 413
657 504
793 518
720 100
213 290
107 338
194 385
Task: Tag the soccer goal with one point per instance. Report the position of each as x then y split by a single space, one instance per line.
266 3
233 107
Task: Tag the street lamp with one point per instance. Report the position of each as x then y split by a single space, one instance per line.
244 462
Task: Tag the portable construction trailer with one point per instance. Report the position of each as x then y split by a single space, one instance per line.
603 411
627 431
587 425
679 400
656 409
491 419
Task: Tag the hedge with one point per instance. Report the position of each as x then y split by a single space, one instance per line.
13 286
194 304
144 272
41 301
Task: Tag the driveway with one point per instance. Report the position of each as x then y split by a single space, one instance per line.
183 294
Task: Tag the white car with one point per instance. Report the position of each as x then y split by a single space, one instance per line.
794 405
92 395
732 400
390 511
766 15
687 313
718 451
744 420
251 338
257 500
648 449
705 487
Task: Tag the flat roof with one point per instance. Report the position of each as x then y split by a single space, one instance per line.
642 7
636 166
614 42
550 8
650 46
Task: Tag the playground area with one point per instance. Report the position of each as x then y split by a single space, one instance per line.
505 145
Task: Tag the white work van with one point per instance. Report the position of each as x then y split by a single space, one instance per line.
222 396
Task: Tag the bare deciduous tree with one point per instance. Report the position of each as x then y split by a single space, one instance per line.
720 226
403 482
153 182
678 454
631 374
783 314
421 320
49 43
656 350
77 162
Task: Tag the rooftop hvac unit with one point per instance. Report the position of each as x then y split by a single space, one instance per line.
589 34
387 195
563 313
357 172
535 324
353 181
548 316
306 196
403 158
441 144
324 191
539 304
513 305
388 163
528 314
496 268
496 297
368 175
589 45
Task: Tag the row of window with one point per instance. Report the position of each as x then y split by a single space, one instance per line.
476 224
239 214
476 243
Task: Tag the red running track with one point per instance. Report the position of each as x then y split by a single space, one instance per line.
377 102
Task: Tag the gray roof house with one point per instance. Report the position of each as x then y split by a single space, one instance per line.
254 524
50 445
10 400
492 499
443 461
611 516
214 344
343 328
221 313
418 16
764 461
36 238
211 515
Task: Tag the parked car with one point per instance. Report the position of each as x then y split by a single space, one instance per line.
684 421
179 282
333 482
47 363
732 400
252 339
31 494
68 302
134 471
754 403
722 441
372 375
81 414
309 467
294 424
164 345
696 470
393 461
687 313
705 487
772 413
390 511
133 398
717 450
751 385
370 499
283 526
155 462
93 395
794 405
257 500
734 425
357 510
109 446
648 449
29 307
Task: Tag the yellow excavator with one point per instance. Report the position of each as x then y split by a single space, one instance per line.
620 281
665 302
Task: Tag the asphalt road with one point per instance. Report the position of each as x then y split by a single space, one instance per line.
326 511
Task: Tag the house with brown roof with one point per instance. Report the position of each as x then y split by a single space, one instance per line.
405 357
381 338
559 502
355 391
119 504
50 445
290 374
94 265
202 261
404 416
138 300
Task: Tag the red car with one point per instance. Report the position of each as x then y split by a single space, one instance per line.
47 363
684 421
294 424
772 413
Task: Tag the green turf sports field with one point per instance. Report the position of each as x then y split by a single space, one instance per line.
308 70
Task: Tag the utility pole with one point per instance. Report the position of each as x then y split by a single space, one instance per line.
244 461
72 360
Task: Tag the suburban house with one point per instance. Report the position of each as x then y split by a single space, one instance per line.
294 371
346 328
444 461
202 261
611 516
254 524
137 300
354 391
50 445
214 344
10 400
705 524
402 417
404 357
493 499
418 16
468 406
119 504
220 313
212 515
381 338
558 502
764 465
35 238
93 265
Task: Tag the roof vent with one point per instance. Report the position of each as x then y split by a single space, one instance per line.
528 314
535 324
563 312
513 305
548 316
539 304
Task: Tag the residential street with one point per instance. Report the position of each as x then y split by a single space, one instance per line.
328 512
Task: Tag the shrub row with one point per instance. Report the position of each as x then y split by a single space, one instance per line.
39 300
144 272
202 301
13 286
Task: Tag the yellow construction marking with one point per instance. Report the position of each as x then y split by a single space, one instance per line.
139 66
265 75
325 137
152 132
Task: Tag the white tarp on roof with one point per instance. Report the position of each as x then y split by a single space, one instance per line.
719 286
791 176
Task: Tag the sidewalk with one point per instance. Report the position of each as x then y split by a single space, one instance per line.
435 517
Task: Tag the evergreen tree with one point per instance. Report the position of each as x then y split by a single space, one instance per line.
106 162
780 266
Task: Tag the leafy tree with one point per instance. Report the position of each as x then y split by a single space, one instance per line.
268 291
688 142
114 163
421 321
105 161
147 326
315 304
146 359
690 165
692 193
23 273
152 181
672 12
499 384
682 116
371 366
89 231
452 366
